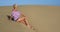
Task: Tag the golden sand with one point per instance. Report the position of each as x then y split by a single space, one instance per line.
43 18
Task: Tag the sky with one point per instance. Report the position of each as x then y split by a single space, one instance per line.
30 2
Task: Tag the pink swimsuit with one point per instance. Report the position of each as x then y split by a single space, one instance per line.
16 14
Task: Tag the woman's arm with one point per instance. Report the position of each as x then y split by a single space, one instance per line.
23 14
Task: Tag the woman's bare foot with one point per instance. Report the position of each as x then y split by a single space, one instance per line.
31 27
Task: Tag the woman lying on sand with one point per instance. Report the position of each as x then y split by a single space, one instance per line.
16 15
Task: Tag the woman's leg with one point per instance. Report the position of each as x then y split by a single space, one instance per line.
24 21
21 20
28 24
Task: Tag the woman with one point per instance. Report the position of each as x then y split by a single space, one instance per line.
16 15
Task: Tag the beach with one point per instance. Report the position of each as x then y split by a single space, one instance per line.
43 18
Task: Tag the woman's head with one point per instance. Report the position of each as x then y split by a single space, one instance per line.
15 6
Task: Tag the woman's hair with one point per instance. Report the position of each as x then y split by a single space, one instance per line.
15 6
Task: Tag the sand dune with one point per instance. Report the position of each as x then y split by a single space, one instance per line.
43 18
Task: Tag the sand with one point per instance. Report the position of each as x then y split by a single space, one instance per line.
43 18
